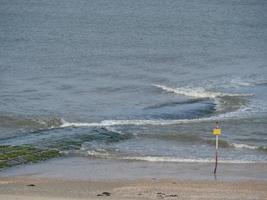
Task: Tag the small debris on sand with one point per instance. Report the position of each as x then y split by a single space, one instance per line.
31 185
104 194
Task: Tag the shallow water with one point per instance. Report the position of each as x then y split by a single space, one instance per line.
80 168
135 80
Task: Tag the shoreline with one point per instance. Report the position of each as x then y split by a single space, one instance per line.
83 178
84 168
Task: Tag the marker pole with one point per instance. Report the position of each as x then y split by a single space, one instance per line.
216 132
216 154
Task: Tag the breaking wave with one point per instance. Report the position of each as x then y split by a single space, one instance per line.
246 146
198 92
12 121
247 83
106 155
159 122
132 122
227 106
225 102
181 160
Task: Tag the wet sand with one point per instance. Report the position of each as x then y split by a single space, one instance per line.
81 178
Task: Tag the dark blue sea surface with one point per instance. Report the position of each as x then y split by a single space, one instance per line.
135 80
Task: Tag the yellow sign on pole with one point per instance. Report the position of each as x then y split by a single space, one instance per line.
217 131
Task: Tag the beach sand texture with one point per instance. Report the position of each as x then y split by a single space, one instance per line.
33 188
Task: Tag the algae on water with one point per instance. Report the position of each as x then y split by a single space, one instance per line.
16 155
262 149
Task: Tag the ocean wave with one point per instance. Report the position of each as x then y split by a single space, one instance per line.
136 122
179 137
198 92
182 160
247 83
228 106
100 153
188 109
246 146
106 123
172 104
13 121
37 125
225 102
196 139
252 147
232 106
106 155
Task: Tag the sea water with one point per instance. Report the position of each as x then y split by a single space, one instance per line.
135 80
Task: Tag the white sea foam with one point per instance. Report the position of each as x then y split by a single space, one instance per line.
241 113
80 124
242 83
107 123
166 159
99 153
182 160
113 129
201 93
198 92
246 83
244 146
161 158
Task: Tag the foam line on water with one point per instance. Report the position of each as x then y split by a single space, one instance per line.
238 82
224 102
246 146
198 92
106 155
132 122
243 112
183 160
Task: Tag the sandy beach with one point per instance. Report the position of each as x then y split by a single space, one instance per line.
81 178
28 188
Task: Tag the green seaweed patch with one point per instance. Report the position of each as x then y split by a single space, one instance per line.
262 149
222 143
16 155
3 164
